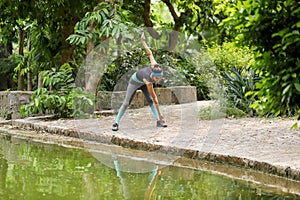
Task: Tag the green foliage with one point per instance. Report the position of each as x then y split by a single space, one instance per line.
210 113
59 96
46 102
81 102
132 10
55 99
5 114
238 83
20 63
198 73
206 22
229 56
104 21
7 66
61 79
198 18
238 78
43 51
46 25
272 28
294 127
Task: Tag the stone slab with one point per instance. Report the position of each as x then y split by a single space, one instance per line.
11 101
184 94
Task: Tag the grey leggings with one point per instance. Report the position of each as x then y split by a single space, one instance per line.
130 92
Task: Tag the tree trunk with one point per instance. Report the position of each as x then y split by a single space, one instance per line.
173 36
29 80
119 43
148 22
89 66
95 64
21 81
29 73
67 29
21 84
40 81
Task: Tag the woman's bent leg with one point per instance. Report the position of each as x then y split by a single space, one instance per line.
150 101
128 98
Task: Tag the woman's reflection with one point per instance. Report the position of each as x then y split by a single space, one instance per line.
153 177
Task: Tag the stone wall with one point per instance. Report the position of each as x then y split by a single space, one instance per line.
11 101
176 95
166 96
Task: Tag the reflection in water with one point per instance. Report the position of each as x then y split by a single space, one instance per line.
154 178
152 182
3 173
42 171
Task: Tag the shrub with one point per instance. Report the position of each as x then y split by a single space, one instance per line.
58 96
233 69
44 101
82 103
238 82
129 61
198 70
228 56
272 28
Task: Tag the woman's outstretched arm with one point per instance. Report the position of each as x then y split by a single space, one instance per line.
148 50
154 98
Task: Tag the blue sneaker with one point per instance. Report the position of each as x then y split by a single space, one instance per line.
161 124
115 127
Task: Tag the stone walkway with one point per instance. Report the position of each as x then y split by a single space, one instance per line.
266 145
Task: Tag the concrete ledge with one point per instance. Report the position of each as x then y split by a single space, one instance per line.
113 100
184 94
64 128
164 96
286 172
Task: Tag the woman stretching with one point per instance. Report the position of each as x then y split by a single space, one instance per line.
143 79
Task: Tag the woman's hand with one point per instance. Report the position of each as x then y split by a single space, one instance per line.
161 118
143 37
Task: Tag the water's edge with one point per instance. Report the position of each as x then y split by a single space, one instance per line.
233 167
289 172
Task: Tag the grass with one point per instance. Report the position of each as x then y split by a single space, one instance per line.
210 113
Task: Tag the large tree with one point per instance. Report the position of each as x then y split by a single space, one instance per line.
51 22
272 28
12 29
106 21
195 17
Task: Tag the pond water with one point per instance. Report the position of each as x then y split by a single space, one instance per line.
32 170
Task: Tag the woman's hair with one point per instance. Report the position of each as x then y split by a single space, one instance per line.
157 70
156 65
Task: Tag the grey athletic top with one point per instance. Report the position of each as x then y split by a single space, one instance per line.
141 74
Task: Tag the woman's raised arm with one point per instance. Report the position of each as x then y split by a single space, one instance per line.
148 50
